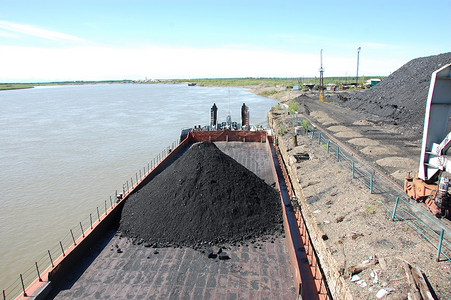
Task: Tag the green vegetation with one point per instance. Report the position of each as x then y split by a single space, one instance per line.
305 124
283 130
238 82
14 86
269 81
268 93
292 107
369 208
248 81
278 107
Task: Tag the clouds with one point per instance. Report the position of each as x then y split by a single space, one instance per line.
107 63
80 59
10 29
100 63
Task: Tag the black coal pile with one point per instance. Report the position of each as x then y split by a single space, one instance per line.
204 198
401 97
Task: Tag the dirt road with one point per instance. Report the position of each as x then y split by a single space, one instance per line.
349 225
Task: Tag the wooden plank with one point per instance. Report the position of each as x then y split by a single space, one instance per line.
414 294
421 283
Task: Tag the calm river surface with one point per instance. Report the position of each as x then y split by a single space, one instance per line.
65 149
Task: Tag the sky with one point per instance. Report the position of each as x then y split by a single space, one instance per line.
43 41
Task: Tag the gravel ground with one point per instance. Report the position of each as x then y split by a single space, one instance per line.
209 199
394 149
350 226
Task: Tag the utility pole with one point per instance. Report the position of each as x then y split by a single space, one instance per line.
321 78
357 76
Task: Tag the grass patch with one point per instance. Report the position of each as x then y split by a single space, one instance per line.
14 86
268 93
283 130
293 107
277 107
306 124
270 81
369 208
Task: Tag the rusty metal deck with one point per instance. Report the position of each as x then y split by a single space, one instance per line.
256 271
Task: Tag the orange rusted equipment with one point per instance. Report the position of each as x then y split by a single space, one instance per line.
430 184
435 196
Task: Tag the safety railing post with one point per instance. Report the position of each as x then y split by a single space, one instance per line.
105 208
319 138
98 214
37 270
90 218
439 248
353 170
328 146
62 249
320 285
338 153
73 238
4 295
394 210
51 260
371 183
23 286
82 232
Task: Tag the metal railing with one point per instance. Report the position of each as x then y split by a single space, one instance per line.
46 261
402 210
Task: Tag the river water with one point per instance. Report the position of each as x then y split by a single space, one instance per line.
65 149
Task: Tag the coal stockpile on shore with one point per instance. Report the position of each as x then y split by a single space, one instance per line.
401 97
204 198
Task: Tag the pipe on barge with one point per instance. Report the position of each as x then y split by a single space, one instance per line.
309 281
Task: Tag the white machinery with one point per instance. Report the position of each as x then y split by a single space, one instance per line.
429 185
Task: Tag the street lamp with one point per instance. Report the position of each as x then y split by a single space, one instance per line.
357 76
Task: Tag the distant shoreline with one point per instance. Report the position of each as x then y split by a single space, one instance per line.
15 86
275 88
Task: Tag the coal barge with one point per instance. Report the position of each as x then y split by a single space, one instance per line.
103 264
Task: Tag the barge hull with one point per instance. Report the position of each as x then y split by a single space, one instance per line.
115 267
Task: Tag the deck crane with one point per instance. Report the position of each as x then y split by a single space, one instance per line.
431 183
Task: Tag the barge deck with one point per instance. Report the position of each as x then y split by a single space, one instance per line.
100 264
254 271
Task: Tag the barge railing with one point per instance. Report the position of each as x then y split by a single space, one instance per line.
28 282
